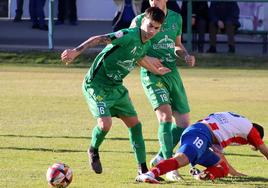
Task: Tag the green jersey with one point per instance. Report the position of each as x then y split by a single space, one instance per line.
117 59
163 43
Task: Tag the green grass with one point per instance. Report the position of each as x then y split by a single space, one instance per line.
203 60
44 119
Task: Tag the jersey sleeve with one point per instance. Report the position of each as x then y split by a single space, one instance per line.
120 37
254 137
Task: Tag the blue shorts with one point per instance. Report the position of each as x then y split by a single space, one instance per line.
196 141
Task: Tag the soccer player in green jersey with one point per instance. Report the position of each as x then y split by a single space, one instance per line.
103 84
166 93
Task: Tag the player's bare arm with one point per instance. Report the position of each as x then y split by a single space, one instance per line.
180 51
264 150
158 69
232 170
69 55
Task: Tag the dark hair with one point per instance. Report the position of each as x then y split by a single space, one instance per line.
259 129
155 14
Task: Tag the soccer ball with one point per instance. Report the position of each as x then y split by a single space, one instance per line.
59 175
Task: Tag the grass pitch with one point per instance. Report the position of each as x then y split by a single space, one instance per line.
44 119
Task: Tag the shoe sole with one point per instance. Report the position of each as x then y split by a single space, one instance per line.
151 181
147 180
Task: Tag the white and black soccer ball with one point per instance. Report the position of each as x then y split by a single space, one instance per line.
59 175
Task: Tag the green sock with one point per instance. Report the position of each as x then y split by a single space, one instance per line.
176 135
98 135
137 143
165 139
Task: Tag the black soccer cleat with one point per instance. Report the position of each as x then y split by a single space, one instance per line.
94 160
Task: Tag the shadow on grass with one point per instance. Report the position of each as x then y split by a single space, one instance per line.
69 137
252 181
239 154
67 150
43 149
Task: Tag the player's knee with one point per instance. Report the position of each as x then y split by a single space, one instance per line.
183 120
183 124
182 159
105 123
164 116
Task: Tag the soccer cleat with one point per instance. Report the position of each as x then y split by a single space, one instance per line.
94 161
146 179
154 161
173 176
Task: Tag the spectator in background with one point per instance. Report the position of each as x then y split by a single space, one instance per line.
199 20
223 16
127 10
171 5
37 14
67 8
19 11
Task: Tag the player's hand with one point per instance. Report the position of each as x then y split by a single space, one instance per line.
190 60
154 61
67 56
163 70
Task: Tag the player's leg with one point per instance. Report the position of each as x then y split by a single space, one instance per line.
184 155
124 109
165 166
180 112
193 145
136 141
165 136
216 168
100 108
98 135
164 116
176 132
182 122
158 96
180 106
